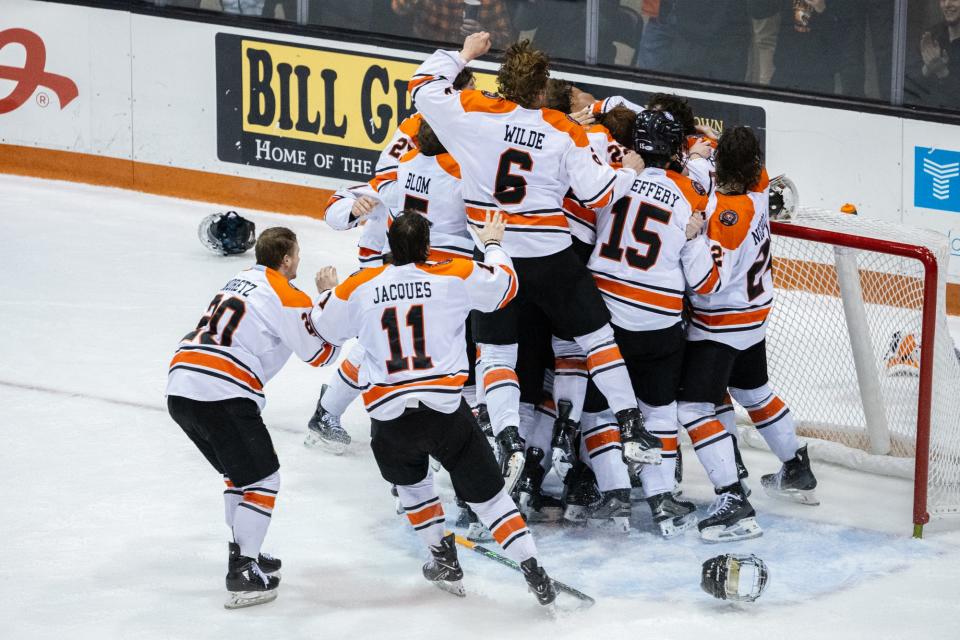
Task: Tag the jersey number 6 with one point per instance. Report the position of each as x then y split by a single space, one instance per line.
511 188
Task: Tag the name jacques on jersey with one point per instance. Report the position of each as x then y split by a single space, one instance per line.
655 191
402 291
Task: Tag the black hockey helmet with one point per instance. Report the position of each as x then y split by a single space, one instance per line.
731 576
227 233
657 133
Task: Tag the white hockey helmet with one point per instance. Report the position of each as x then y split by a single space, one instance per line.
784 199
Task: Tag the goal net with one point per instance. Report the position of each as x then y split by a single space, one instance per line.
860 351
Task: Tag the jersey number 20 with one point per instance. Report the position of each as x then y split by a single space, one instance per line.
209 327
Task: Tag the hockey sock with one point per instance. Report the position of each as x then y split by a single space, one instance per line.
423 509
662 422
480 392
714 446
726 415
607 368
231 498
342 389
252 516
600 447
772 418
570 375
502 517
500 385
470 394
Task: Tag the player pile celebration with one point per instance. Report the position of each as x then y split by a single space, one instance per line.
546 282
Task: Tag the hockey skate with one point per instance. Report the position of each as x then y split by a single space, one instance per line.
731 517
268 564
636 482
612 513
742 472
672 516
564 432
580 493
325 431
444 570
538 581
248 585
639 445
533 504
511 448
795 481
467 519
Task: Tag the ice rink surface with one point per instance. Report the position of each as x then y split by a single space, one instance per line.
112 524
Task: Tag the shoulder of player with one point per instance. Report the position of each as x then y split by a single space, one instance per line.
357 279
447 162
692 191
763 183
286 293
454 267
731 218
411 125
565 124
410 155
475 100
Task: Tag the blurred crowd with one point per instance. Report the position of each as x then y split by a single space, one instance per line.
840 47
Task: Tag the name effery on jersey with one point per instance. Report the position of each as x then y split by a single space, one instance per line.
402 291
655 191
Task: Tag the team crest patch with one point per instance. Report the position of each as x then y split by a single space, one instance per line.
729 217
699 188
490 95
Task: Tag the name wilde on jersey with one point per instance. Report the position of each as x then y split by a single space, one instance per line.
523 137
655 191
401 291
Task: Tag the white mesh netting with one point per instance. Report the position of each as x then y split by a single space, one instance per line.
815 334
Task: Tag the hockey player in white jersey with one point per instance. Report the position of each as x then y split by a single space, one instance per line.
409 316
215 392
520 159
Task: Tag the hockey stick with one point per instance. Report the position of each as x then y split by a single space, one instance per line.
493 555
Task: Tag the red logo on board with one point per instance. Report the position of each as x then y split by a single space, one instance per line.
33 74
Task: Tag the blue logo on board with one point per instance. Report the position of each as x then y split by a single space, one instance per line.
937 179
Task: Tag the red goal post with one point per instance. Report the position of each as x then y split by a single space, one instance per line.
853 297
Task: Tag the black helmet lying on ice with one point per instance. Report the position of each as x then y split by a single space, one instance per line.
227 233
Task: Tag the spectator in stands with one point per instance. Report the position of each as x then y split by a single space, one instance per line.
810 45
875 17
655 51
443 20
938 82
765 21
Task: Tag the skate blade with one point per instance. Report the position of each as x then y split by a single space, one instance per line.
746 529
673 527
242 599
514 470
633 453
314 441
455 587
618 524
807 497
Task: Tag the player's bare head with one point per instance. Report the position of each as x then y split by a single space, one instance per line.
465 80
739 160
559 95
580 99
277 249
523 76
620 122
428 141
409 238
678 107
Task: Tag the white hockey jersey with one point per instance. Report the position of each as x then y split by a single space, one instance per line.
643 262
738 228
583 220
404 139
246 336
516 160
338 215
410 321
431 185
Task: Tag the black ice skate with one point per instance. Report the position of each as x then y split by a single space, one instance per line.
795 481
444 569
612 513
248 585
483 419
268 564
538 581
672 516
325 431
742 472
639 445
636 482
564 433
511 448
467 519
580 493
731 517
533 504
